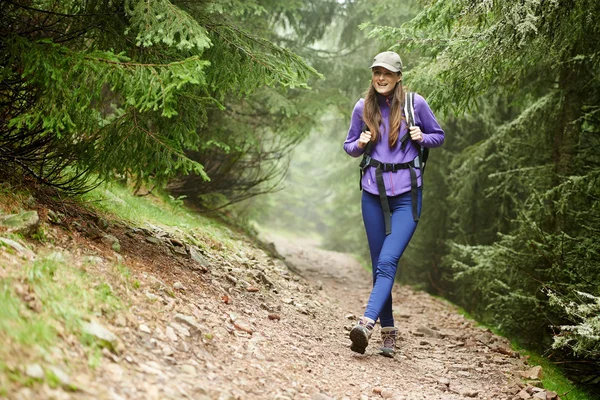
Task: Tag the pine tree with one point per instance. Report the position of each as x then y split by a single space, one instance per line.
121 88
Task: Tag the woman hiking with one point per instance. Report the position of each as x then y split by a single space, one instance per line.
391 138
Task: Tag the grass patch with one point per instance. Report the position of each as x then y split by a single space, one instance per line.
41 303
159 210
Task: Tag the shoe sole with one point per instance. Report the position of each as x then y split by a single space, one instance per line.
360 340
386 352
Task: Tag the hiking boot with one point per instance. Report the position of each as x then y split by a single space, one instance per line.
388 336
360 334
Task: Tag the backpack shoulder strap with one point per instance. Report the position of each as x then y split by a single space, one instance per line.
409 114
370 144
409 108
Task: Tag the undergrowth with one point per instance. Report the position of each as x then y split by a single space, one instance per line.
159 209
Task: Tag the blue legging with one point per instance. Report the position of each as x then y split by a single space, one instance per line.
386 250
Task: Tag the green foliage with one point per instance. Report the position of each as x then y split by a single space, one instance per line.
121 88
583 339
160 21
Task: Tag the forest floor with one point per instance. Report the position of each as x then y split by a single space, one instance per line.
218 322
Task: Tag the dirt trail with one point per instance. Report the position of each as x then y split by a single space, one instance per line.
441 355
243 326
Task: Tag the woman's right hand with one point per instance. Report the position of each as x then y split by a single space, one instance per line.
364 139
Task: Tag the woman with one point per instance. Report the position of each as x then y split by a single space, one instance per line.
391 179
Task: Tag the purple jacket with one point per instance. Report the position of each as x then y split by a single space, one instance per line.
397 182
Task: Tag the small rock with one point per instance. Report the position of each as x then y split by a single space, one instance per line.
470 393
350 316
274 317
540 395
152 296
121 321
302 309
196 256
425 331
102 223
188 369
533 373
111 241
34 371
19 248
319 285
170 333
444 381
179 250
550 395
93 260
195 327
61 375
182 330
387 393
261 277
243 326
105 337
55 217
167 351
377 390
178 286
503 349
523 395
252 289
459 367
151 368
24 223
144 328
152 239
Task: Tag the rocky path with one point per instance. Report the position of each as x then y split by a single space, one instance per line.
441 355
241 325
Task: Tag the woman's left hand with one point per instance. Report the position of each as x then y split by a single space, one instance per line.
416 134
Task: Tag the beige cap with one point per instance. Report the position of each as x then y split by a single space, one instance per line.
388 60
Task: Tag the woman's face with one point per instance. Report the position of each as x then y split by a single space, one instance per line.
384 80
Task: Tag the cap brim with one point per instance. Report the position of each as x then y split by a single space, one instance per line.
386 66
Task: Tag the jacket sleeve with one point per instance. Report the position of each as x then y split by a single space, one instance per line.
351 143
433 135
